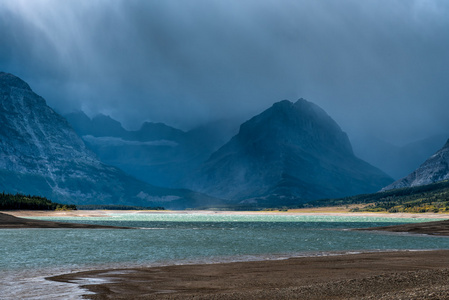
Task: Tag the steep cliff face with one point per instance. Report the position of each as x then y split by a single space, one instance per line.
33 137
434 169
41 154
290 153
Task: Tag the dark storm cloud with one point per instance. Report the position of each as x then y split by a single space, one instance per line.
377 67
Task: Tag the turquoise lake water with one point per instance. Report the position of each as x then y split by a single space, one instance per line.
164 238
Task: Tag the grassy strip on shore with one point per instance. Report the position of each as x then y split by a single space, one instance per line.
419 199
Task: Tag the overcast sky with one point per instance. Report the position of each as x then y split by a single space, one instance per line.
378 67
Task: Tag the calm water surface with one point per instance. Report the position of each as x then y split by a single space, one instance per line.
28 255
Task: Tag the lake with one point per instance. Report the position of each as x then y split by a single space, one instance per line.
28 255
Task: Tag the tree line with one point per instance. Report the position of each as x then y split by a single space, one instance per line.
28 202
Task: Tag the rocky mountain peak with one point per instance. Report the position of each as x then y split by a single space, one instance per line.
434 169
302 123
10 81
290 152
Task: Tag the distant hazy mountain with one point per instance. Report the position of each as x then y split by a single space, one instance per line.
105 126
396 161
156 153
290 153
41 154
434 169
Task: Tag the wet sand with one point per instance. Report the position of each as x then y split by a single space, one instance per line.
393 275
8 221
431 228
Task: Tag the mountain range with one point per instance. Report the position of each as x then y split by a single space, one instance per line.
41 154
291 153
156 153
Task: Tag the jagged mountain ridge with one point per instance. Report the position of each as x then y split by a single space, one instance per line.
293 152
104 126
434 169
41 154
156 153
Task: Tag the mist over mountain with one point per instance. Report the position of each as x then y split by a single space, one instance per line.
377 69
156 153
41 154
292 152
104 126
434 169
396 161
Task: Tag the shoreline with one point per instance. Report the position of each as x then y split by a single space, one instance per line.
297 212
24 219
436 228
373 275
9 221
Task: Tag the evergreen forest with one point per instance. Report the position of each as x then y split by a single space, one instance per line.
28 202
